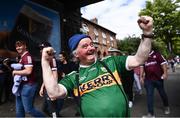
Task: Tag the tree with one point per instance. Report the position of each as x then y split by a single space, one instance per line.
166 17
129 44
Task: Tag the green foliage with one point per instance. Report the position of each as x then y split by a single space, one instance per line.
129 45
166 17
176 47
160 47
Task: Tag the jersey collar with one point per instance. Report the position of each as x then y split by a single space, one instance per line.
24 53
86 66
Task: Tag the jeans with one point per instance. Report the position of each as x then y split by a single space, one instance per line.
24 102
137 83
52 106
159 85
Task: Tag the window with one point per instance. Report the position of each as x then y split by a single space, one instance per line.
112 44
103 35
96 35
104 38
96 39
85 27
112 41
111 38
95 32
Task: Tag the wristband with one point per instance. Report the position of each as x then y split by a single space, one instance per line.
147 36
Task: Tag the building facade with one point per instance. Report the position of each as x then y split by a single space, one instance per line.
37 21
104 39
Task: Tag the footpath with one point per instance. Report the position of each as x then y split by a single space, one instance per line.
172 86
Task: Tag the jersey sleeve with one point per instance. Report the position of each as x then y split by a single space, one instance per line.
27 61
120 62
69 81
161 60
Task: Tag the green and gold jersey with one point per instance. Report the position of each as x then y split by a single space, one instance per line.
100 95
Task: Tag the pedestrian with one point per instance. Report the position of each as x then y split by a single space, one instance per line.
50 107
172 63
137 82
97 83
27 89
64 65
177 60
152 74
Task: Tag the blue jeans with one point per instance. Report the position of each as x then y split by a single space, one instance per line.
159 85
24 102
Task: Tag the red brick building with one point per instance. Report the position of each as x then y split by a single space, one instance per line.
103 38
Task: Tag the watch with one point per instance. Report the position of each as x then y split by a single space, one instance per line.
147 36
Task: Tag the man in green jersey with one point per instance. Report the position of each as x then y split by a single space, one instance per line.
100 91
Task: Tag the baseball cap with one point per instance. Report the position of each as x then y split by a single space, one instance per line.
75 39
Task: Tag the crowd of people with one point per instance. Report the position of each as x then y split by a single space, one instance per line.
102 87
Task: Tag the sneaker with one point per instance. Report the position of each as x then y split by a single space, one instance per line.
69 97
166 110
149 115
130 104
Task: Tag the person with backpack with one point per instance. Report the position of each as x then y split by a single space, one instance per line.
97 83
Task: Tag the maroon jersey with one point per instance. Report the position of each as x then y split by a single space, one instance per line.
152 66
26 60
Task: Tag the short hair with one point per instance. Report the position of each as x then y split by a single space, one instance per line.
64 54
20 42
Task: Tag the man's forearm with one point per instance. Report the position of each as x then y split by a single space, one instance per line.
141 55
143 50
165 73
49 80
146 24
145 45
54 89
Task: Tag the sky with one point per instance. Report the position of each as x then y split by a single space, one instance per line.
119 16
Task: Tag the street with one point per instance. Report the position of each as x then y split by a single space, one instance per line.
172 86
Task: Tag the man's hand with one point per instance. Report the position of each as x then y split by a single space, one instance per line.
146 24
48 53
13 73
41 92
164 76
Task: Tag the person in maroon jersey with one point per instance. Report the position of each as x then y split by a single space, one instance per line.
152 75
27 89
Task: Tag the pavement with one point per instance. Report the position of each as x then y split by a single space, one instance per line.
172 87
